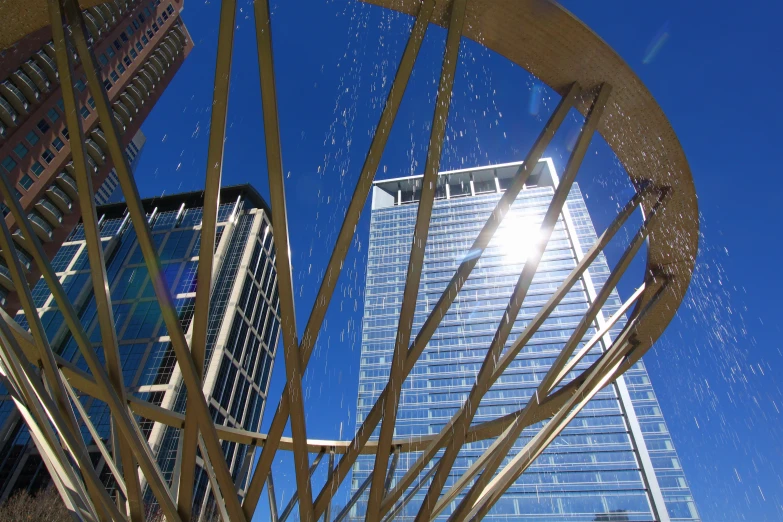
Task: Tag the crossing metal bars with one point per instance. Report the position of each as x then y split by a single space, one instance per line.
45 387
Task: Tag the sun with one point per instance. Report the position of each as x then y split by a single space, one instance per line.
517 238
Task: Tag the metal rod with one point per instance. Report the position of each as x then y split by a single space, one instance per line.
197 403
457 431
118 408
123 454
328 512
609 285
600 373
399 507
339 253
198 343
295 497
462 509
416 259
392 469
68 484
221 505
270 488
285 288
510 354
36 395
354 499
97 440
447 297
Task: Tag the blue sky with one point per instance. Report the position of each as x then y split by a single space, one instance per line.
713 68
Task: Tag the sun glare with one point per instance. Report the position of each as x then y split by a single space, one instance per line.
517 238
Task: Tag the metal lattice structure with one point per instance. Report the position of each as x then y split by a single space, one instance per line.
537 35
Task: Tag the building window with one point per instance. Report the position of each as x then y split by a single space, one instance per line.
107 84
61 104
85 112
154 27
47 156
160 22
43 126
37 169
65 133
123 37
91 102
21 150
150 33
170 9
129 30
120 68
117 45
8 163
141 17
133 54
80 85
136 24
58 144
114 76
144 39
26 182
102 58
147 11
110 52
139 47
165 16
32 138
53 115
127 60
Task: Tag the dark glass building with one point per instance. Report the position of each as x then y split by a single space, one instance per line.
241 338
616 459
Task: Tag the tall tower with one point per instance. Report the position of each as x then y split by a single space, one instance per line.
242 333
140 45
616 459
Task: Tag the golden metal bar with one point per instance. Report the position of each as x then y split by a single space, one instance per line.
123 454
416 259
295 497
270 488
448 296
198 343
36 396
508 356
619 269
97 440
197 403
86 384
604 371
334 267
547 383
399 507
576 359
71 491
285 288
456 432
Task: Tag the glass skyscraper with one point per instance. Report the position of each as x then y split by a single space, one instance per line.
241 337
616 459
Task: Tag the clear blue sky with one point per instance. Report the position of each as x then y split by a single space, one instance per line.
717 77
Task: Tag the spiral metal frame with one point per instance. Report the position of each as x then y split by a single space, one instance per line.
595 81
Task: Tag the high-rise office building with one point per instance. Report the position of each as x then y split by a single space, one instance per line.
140 45
241 337
616 459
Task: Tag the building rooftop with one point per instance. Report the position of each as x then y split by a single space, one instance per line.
460 183
191 199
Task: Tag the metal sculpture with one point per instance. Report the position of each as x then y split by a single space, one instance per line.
595 81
